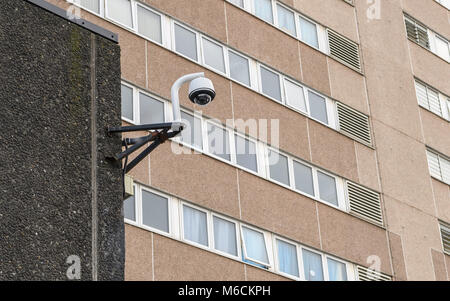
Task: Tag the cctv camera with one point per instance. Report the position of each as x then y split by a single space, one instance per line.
201 91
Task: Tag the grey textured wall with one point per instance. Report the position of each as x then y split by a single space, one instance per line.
59 90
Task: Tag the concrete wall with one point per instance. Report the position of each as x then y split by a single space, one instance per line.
60 89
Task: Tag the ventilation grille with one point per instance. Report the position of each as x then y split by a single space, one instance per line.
417 32
344 50
439 166
354 123
366 274
365 203
445 234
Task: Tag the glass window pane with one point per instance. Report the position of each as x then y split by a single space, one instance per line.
287 258
218 141
278 166
309 32
263 9
336 270
312 264
149 24
129 207
155 211
120 11
150 110
127 102
195 225
318 107
213 54
193 134
186 42
295 96
270 82
303 178
239 69
442 48
225 236
255 245
286 19
246 153
238 2
327 188
92 5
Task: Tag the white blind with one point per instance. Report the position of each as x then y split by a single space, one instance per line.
433 165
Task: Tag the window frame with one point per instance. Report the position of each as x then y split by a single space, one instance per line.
157 98
225 57
208 226
136 190
314 179
277 261
305 96
133 16
280 82
101 7
337 184
141 212
268 149
267 243
173 41
163 25
238 241
300 35
206 141
258 159
184 143
276 20
133 100
228 63
347 267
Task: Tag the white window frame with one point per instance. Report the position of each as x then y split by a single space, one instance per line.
236 228
329 105
194 147
133 100
133 16
267 161
348 269
141 212
322 255
101 6
276 21
280 80
258 158
305 96
165 105
249 60
208 225
314 179
300 36
206 141
224 56
163 25
339 190
136 215
267 242
197 42
276 257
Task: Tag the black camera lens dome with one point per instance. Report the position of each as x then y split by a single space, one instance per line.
203 99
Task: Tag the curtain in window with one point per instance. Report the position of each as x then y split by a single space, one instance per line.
287 258
120 11
312 264
263 9
286 20
255 245
195 227
309 32
336 270
225 236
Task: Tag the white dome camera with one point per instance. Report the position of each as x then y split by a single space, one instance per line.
201 91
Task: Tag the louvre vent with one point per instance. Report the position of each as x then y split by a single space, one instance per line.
445 234
364 203
417 32
344 50
433 165
354 123
365 274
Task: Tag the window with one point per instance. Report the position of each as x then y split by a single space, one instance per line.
439 166
246 153
239 3
303 178
286 19
193 134
278 167
239 68
287 258
149 24
186 42
129 207
195 225
92 5
127 102
309 32
327 188
270 82
213 55
263 10
312 264
150 109
295 96
120 11
225 236
218 141
155 211
445 236
428 98
337 271
442 48
417 32
254 246
318 107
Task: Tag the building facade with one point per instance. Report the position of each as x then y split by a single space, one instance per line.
325 155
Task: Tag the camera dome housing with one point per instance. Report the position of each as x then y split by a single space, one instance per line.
201 91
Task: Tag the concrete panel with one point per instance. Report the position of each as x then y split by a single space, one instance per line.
398 260
341 158
367 166
419 232
442 199
278 209
440 270
388 69
262 41
315 69
198 178
434 129
292 133
403 168
138 254
172 66
431 13
348 86
205 15
189 263
257 274
335 14
352 238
